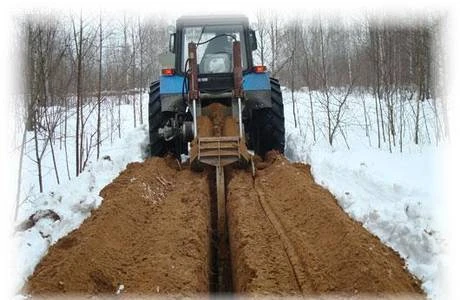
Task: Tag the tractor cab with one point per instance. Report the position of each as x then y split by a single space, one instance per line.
214 39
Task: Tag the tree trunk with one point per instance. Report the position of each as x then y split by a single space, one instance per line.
99 90
82 132
119 117
54 158
312 115
133 79
325 88
417 121
65 137
389 125
401 113
141 74
78 47
293 105
366 122
21 159
382 124
377 118
37 155
426 125
292 79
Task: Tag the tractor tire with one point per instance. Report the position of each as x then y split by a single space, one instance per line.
158 119
267 124
158 146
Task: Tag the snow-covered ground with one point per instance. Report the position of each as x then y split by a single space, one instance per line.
395 195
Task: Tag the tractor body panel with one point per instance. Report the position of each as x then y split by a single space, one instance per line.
256 87
257 90
172 84
256 82
171 93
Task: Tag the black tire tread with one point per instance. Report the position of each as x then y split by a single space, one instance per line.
267 130
158 145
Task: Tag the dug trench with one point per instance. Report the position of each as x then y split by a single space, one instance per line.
153 235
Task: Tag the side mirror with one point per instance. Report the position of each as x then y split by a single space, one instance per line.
167 60
172 39
252 40
171 29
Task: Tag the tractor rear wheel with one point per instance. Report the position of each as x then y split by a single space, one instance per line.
158 119
267 124
158 146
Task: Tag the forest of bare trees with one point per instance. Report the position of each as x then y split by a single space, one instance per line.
396 61
73 64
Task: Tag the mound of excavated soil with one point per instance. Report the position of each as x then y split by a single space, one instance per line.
150 235
289 236
259 262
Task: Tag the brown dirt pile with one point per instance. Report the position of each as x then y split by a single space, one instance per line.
289 235
217 121
205 127
230 127
151 235
217 116
259 263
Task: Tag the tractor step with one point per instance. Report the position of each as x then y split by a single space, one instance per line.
219 151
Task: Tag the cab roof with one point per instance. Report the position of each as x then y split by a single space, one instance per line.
212 20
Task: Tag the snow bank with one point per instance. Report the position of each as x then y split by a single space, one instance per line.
396 196
393 198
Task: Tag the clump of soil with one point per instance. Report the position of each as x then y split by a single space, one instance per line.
270 158
220 121
230 127
149 236
205 127
37 216
288 235
217 116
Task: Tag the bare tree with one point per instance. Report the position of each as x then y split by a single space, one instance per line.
78 40
133 70
99 91
274 34
306 75
261 29
141 69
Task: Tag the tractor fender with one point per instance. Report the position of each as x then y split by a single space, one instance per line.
171 89
257 90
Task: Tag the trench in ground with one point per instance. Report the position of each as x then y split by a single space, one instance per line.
220 277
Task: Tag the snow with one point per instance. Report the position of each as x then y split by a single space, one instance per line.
73 200
390 203
396 196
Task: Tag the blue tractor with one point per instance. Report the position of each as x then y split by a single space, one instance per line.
210 62
211 95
